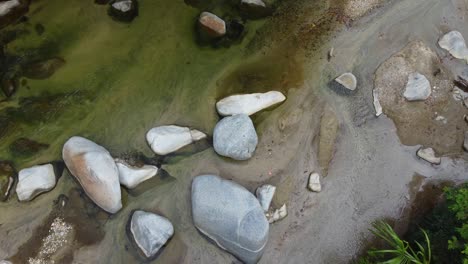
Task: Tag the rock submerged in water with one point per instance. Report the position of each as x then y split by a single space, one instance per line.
124 10
96 171
278 214
150 232
167 139
230 215
248 104
131 176
348 81
254 8
265 195
34 181
12 10
418 87
7 179
428 154
455 44
210 25
43 69
235 137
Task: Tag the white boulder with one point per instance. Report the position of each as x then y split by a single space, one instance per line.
455 44
248 104
96 171
418 87
131 176
428 154
314 182
265 195
348 80
150 232
166 139
34 181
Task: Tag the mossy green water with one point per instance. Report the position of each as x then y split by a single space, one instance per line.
119 80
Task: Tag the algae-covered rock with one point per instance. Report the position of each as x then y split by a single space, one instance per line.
26 147
43 69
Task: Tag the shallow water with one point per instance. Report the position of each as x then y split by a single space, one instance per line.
119 80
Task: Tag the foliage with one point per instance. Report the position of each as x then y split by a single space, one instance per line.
457 204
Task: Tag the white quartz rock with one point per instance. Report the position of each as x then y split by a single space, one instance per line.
130 176
34 181
455 44
418 87
348 80
248 104
265 195
314 182
166 139
428 154
278 214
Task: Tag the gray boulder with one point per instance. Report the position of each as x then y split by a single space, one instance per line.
150 232
235 137
231 216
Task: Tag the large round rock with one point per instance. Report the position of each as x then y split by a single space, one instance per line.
230 215
96 171
235 137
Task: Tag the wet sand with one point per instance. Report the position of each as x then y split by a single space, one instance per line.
368 177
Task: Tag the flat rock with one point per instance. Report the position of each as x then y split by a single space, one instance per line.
211 25
428 154
347 80
231 216
314 182
235 137
167 139
131 176
34 181
278 214
7 179
265 195
96 171
418 87
150 232
248 104
455 44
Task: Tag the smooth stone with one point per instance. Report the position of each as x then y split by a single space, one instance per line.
131 176
257 3
235 137
124 10
211 25
231 216
7 179
7 6
265 195
167 139
150 232
428 154
96 171
418 87
248 104
465 142
34 181
314 182
254 8
377 105
278 214
455 44
348 80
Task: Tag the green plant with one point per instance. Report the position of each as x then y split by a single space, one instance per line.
457 203
400 251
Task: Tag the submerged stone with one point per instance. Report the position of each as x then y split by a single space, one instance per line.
12 10
231 216
7 179
428 154
26 147
150 232
248 104
455 44
44 69
418 87
235 137
34 181
254 8
9 87
96 171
